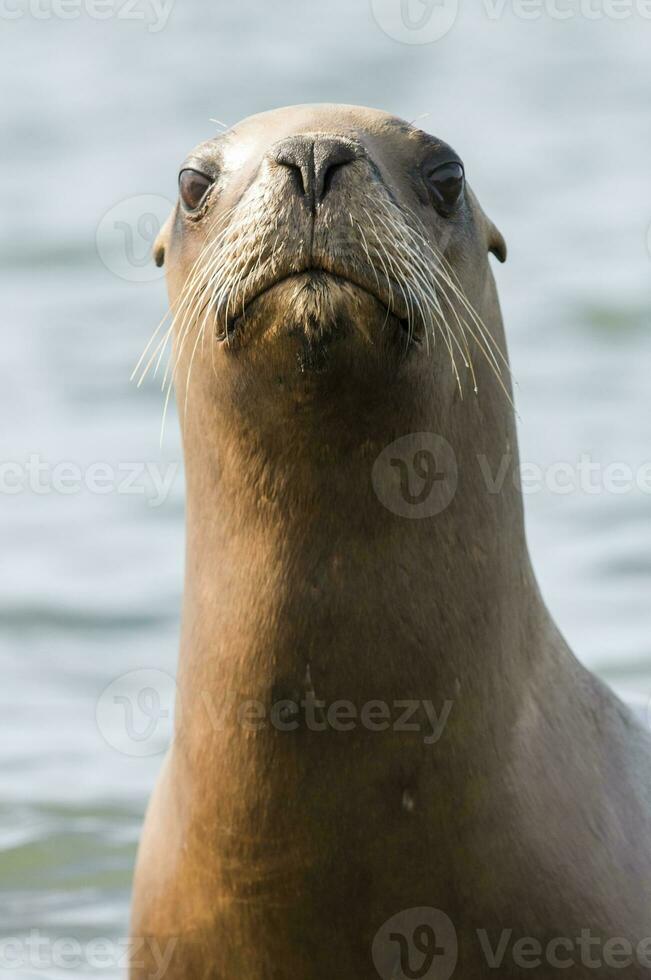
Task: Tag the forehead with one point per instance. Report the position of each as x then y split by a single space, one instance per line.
324 117
253 136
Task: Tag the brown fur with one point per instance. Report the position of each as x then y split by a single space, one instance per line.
279 854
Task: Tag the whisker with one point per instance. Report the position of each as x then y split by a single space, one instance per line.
443 277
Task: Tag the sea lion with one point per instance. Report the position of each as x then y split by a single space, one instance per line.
376 713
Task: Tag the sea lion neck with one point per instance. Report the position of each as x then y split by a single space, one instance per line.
295 557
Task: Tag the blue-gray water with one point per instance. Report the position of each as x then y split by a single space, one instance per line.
552 119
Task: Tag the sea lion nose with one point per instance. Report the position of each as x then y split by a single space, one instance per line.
314 160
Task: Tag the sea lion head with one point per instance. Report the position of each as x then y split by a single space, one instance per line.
328 261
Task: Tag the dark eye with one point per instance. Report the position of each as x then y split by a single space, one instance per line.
192 188
446 185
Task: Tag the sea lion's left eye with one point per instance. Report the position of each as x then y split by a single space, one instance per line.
446 185
193 187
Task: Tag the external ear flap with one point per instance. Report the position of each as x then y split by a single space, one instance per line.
494 238
496 243
159 252
160 245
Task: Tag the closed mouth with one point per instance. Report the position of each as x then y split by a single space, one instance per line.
237 317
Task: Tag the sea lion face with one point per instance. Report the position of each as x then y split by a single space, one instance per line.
322 246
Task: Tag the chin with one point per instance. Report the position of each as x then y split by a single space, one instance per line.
316 311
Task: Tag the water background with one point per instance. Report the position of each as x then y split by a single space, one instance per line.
552 120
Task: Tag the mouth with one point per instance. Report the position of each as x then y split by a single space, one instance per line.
393 304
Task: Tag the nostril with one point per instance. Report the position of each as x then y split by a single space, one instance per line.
329 176
330 156
298 175
296 154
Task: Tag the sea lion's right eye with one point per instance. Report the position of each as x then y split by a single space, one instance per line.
193 187
445 183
